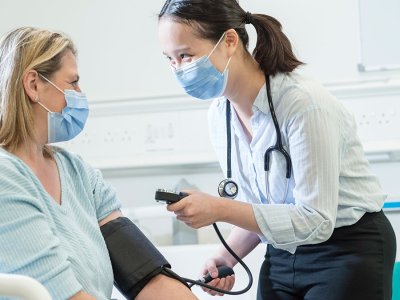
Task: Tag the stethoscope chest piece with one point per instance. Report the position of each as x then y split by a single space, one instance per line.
228 188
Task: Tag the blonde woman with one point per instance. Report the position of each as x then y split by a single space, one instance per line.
52 204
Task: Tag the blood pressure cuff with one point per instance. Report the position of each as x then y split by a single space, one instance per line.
135 260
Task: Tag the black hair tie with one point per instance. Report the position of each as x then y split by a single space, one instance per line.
248 18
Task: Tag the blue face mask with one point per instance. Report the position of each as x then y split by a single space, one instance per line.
200 79
70 122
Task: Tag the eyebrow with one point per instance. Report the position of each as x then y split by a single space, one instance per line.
182 49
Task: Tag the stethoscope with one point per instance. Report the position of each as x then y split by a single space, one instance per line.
229 188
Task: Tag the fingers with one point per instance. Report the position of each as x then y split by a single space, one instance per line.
183 202
186 220
230 281
190 192
225 283
195 211
211 268
214 283
177 205
185 211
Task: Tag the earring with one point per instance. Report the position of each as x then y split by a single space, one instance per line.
36 99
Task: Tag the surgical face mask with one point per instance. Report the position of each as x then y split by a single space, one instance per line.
69 123
201 79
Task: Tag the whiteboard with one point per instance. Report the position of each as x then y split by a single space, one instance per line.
379 33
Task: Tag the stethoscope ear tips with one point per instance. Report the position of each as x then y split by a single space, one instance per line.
228 189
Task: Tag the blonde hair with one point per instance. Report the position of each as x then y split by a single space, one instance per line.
22 50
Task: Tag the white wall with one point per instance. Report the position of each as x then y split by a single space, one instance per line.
120 56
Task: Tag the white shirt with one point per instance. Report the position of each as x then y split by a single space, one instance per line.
331 183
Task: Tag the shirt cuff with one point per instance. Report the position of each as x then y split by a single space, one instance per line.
276 225
277 221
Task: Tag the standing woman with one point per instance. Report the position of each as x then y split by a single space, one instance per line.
304 185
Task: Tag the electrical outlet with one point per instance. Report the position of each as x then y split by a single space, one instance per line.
181 136
146 139
378 118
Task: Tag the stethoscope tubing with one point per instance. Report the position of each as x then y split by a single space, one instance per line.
277 147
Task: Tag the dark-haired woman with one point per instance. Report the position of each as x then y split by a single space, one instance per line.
304 185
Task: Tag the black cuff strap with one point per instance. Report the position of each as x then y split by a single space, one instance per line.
135 260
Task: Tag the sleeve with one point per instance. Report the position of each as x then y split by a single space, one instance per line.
105 197
28 245
314 145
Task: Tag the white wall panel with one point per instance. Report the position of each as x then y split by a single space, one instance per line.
120 57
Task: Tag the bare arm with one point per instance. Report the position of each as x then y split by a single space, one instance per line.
201 209
157 287
82 296
114 215
241 241
238 213
163 287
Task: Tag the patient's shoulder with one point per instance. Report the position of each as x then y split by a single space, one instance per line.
15 176
9 163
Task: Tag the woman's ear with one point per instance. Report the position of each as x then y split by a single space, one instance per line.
30 82
231 41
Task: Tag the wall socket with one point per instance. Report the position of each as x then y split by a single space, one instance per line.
128 139
378 117
146 139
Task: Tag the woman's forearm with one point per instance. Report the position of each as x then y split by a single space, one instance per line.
241 241
238 213
81 295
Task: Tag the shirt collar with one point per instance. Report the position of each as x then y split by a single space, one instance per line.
261 101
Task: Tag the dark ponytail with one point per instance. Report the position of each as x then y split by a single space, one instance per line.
211 18
273 50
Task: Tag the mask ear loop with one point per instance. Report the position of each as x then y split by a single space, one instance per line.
42 105
227 64
175 70
51 83
216 45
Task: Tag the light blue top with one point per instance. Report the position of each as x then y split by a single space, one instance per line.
331 184
59 245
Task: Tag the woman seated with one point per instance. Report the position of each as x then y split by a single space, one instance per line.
52 203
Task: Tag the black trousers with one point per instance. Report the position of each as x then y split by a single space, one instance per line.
356 263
